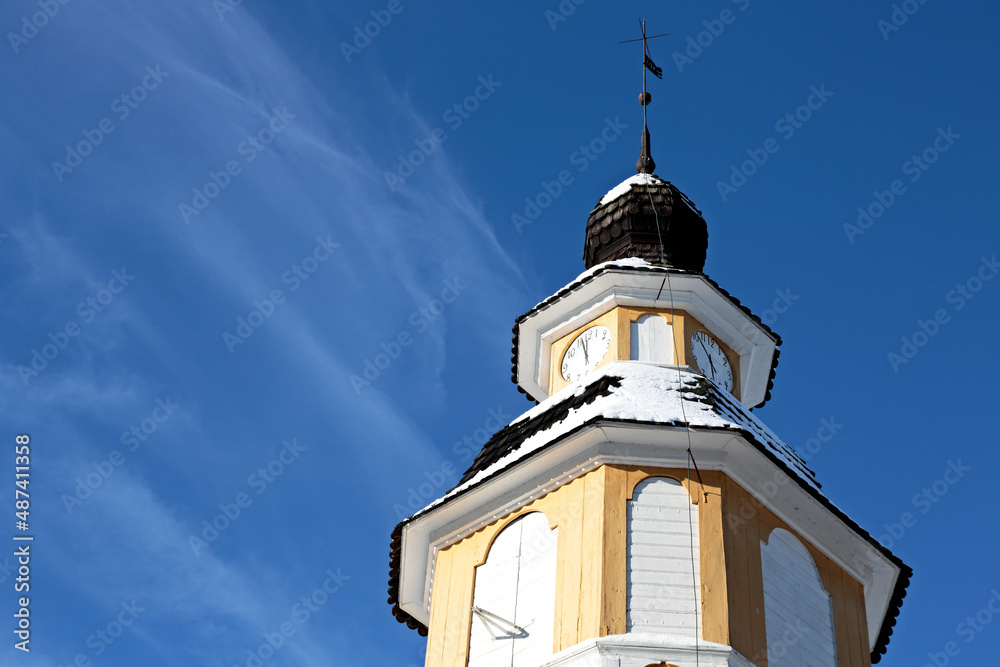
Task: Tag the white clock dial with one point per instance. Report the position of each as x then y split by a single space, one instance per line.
585 353
711 360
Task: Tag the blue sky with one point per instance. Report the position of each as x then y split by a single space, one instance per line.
229 162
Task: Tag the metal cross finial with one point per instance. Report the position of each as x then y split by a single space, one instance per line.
645 164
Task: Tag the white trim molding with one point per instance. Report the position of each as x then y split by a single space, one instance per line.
640 650
610 442
619 286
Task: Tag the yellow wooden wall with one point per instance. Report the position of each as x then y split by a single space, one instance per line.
609 319
618 321
591 514
577 509
745 523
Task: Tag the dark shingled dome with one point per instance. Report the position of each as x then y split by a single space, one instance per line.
627 227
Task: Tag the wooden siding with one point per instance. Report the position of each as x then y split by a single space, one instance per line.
662 573
591 579
747 523
798 612
707 495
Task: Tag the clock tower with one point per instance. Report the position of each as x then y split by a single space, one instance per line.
640 515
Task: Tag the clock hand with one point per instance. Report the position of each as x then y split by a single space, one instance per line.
709 355
586 356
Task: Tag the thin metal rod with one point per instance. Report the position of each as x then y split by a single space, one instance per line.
482 613
639 39
642 23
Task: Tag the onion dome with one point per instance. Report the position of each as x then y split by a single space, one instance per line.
647 217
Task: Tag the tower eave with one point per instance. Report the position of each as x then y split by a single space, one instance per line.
634 280
572 433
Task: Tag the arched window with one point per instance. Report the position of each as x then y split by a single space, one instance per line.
798 612
514 597
663 594
652 340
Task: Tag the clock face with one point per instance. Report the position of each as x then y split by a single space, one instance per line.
711 360
585 353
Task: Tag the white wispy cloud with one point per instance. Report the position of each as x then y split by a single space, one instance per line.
315 178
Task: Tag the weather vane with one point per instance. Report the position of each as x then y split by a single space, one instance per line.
645 164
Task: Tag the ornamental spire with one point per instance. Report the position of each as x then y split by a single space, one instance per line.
645 164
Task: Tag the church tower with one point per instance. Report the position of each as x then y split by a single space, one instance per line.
640 515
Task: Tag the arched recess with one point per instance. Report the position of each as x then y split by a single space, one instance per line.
651 339
663 593
798 611
514 596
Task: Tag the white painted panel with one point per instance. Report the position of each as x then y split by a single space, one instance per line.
798 612
652 340
516 583
663 594
641 650
493 592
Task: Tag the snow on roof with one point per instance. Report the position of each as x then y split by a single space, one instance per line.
626 185
645 393
625 262
637 392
